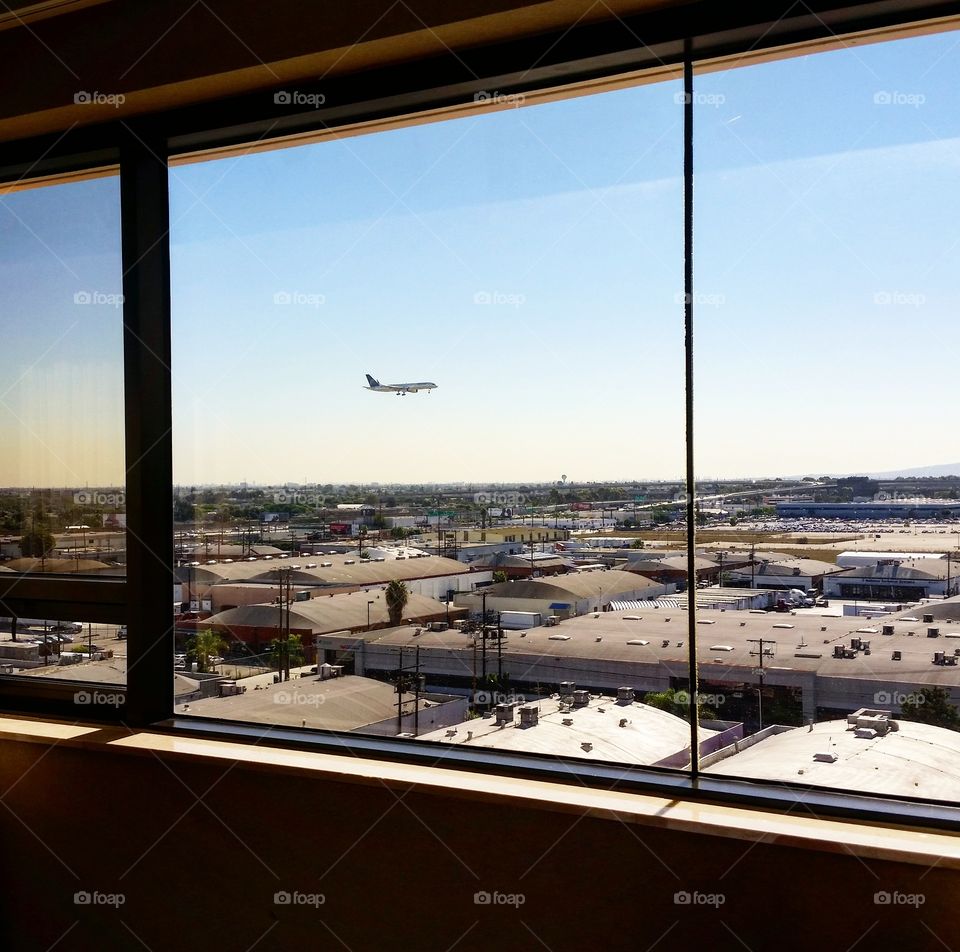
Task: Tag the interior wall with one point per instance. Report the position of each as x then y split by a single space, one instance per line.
198 852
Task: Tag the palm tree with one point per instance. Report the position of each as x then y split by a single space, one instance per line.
397 597
205 646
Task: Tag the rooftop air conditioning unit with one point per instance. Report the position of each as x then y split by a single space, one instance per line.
928 618
933 632
581 698
626 695
529 716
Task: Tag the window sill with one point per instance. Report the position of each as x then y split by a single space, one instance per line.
867 840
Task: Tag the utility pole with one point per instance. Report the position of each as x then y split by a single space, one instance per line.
483 639
499 652
416 692
400 693
761 653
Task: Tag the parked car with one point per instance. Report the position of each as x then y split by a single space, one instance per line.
67 628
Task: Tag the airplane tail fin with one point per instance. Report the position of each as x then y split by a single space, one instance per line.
372 381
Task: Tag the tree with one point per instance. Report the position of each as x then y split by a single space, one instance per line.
204 647
931 706
295 655
37 543
678 703
397 595
499 576
636 544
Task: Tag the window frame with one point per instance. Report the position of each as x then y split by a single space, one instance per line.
591 57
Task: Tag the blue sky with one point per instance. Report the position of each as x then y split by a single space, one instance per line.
530 262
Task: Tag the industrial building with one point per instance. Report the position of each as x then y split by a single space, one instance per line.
895 579
430 576
819 666
582 725
564 595
868 752
257 625
331 703
770 571
902 509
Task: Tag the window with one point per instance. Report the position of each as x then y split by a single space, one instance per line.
385 342
62 468
397 340
827 264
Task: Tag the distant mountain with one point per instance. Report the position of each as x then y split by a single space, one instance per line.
945 469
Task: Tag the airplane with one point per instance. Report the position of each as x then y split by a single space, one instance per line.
400 389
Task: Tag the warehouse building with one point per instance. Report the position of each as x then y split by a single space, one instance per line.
773 572
867 751
817 666
593 727
895 579
903 509
258 625
564 595
430 576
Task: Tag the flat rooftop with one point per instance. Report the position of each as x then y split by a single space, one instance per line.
916 760
603 729
805 642
346 703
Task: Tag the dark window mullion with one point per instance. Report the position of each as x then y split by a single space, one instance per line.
147 394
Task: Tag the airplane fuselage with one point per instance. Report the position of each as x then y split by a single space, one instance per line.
400 389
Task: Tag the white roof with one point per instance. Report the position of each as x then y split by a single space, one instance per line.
916 760
649 735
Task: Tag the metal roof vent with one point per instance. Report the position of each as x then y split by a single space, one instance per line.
568 722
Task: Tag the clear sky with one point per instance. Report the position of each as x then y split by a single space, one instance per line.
530 263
